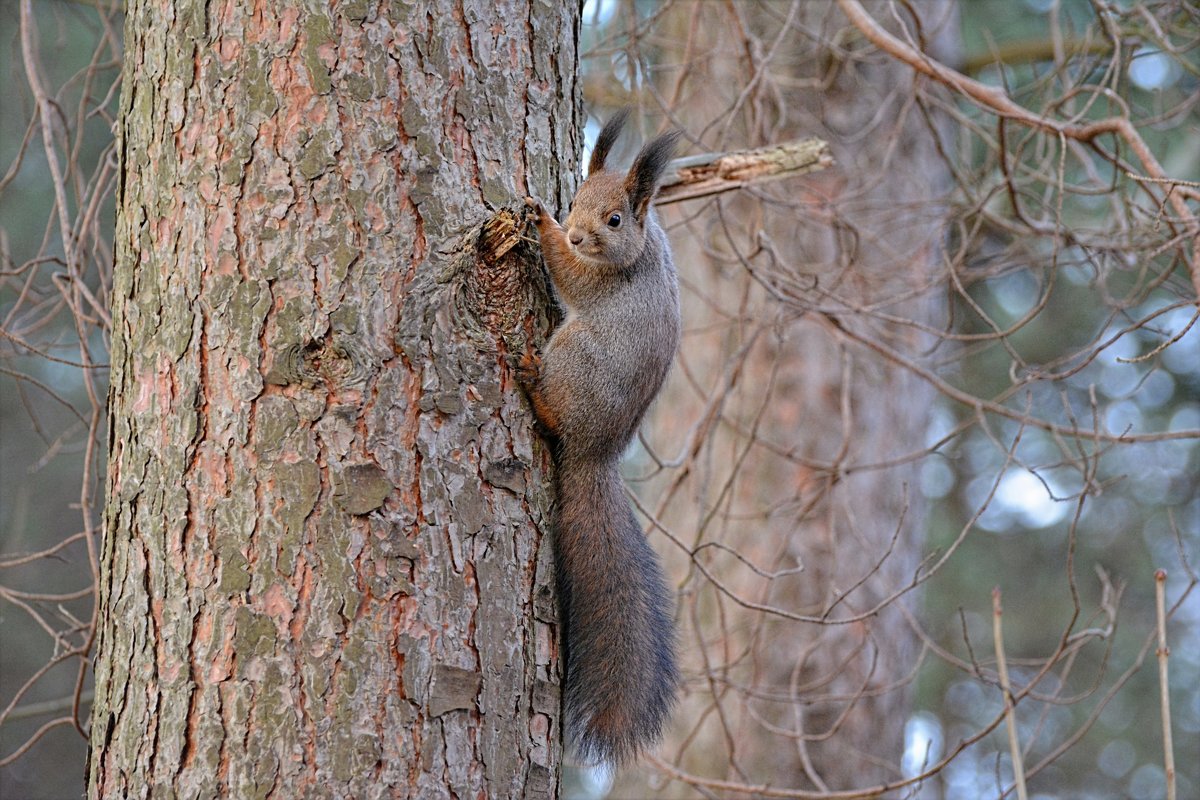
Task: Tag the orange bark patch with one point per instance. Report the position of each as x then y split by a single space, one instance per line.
287 24
228 50
276 604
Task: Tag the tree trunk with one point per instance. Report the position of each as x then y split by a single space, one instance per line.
325 570
867 256
808 469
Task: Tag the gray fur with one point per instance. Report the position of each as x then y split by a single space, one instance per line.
599 373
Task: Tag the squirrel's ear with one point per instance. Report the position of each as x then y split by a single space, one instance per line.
608 136
647 170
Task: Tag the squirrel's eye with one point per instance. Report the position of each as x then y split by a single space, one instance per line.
614 221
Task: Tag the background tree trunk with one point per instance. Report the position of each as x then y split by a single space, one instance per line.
324 571
791 439
864 244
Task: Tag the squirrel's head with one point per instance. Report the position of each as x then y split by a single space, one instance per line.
607 222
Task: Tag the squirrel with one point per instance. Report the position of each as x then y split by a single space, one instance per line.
611 267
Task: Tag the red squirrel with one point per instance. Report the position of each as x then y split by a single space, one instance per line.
611 267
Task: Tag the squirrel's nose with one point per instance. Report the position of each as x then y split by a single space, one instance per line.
575 235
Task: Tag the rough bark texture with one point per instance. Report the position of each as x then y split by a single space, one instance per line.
324 568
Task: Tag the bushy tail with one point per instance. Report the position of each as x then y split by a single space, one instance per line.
620 642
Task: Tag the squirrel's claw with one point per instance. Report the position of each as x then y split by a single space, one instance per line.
534 210
527 366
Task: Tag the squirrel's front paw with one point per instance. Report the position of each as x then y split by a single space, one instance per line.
527 366
534 210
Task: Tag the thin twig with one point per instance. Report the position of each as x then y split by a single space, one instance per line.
1164 693
1010 718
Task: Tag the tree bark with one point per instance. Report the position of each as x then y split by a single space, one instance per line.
325 570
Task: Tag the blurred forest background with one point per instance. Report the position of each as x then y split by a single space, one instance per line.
1046 353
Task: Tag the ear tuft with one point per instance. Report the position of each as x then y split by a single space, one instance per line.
608 137
648 169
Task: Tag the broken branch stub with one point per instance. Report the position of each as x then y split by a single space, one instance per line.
713 173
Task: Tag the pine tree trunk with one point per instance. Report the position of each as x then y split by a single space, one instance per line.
858 421
325 569
810 471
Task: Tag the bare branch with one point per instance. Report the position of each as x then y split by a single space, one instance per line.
999 102
1164 685
1010 718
